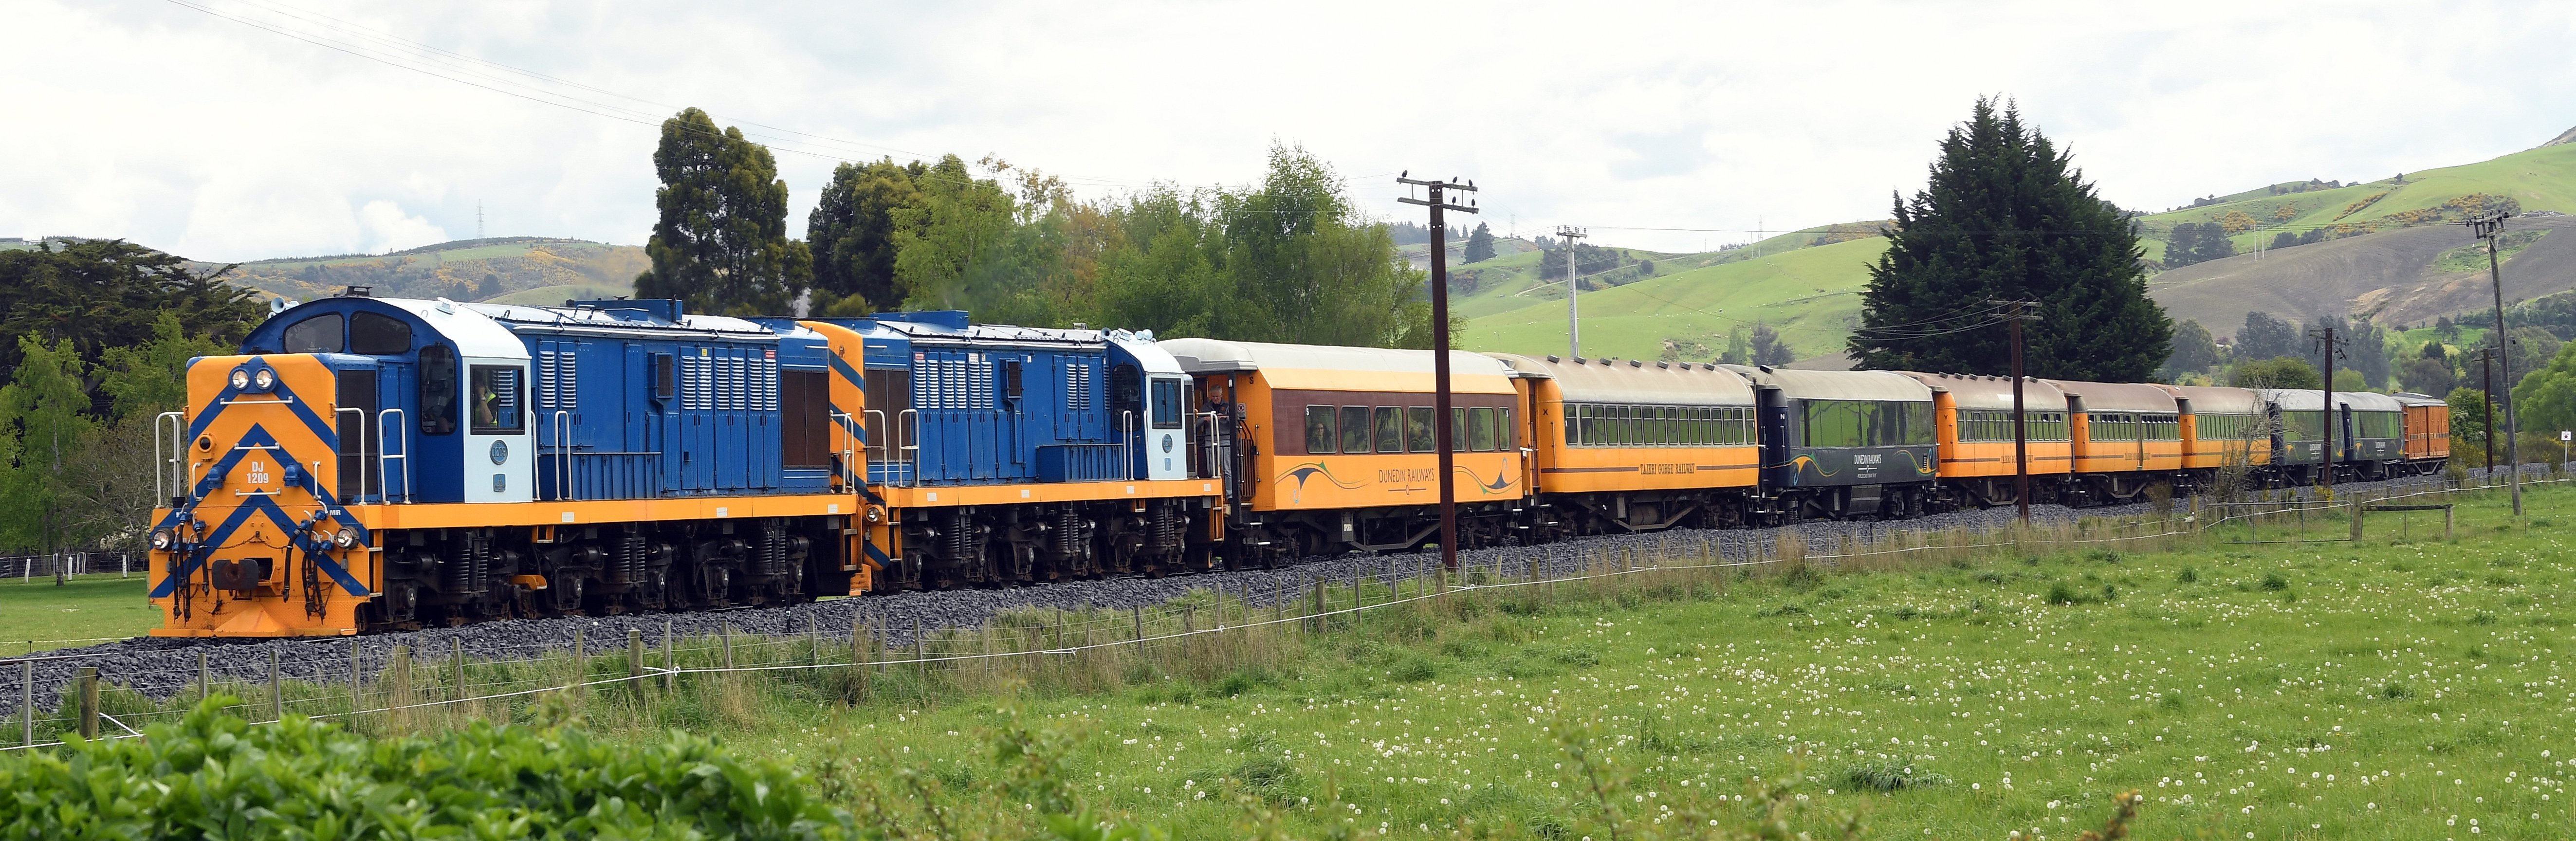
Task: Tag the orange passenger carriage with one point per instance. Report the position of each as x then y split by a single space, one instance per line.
1332 448
2221 427
1975 418
1636 446
2124 437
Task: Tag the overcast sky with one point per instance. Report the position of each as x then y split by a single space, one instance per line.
244 129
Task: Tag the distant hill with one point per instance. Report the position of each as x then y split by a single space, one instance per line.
464 270
1806 290
2388 250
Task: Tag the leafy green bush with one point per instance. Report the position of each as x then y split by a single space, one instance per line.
214 776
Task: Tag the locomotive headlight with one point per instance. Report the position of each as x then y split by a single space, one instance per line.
345 537
241 379
162 539
264 380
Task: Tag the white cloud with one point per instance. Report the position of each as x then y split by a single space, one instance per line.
389 229
187 131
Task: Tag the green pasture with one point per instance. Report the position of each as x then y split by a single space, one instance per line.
2278 681
83 610
1809 294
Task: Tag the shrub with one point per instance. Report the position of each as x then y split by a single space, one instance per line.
2187 575
1889 776
2275 582
212 774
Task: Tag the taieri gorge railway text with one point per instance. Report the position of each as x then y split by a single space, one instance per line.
373 463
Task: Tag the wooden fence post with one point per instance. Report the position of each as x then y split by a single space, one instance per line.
357 701
89 702
635 659
859 655
276 689
456 661
921 660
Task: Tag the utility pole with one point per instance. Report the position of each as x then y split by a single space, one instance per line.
2486 362
2021 431
1573 285
2487 228
478 219
1441 423
2330 347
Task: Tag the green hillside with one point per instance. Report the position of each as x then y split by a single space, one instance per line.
2537 179
465 270
1808 292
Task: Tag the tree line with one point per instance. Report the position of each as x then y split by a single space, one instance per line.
101 332
1289 259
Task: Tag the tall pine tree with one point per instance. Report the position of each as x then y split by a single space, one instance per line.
2006 217
721 243
1480 244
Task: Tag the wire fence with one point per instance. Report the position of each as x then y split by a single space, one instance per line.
28 568
867 656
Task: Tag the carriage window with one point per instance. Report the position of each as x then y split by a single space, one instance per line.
1355 429
1480 429
378 334
1418 434
319 334
496 399
437 390
1319 430
1458 429
1504 432
1390 429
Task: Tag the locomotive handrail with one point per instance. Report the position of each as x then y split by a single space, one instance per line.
1126 443
167 467
562 425
402 427
1207 445
841 427
912 451
869 469
362 450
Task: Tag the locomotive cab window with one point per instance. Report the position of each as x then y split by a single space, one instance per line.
1320 436
1167 403
437 390
378 334
495 394
319 334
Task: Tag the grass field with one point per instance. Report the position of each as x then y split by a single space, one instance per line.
89 608
2401 687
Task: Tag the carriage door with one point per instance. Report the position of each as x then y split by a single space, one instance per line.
358 438
1773 407
2345 421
